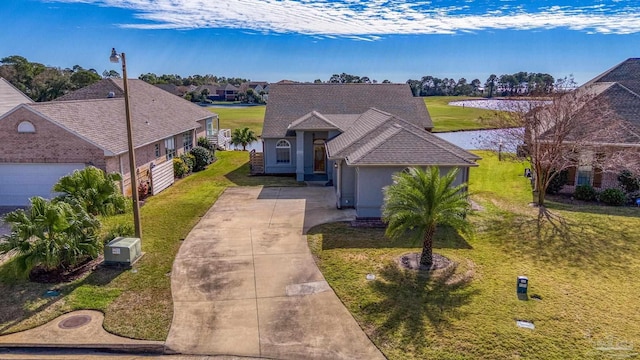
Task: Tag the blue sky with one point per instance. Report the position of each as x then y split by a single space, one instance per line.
305 40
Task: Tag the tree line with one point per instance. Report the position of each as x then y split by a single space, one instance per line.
518 84
45 83
196 80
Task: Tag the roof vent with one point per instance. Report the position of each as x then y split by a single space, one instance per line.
111 94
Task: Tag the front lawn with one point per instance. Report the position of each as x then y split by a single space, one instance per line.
136 303
582 261
241 117
455 118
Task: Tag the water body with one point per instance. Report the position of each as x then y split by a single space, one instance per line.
230 106
483 139
256 145
500 104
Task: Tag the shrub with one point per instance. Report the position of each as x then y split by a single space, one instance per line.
189 160
204 142
629 183
120 229
202 158
180 169
92 189
51 235
558 182
614 197
585 192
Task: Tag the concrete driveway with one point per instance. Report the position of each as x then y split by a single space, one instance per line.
245 283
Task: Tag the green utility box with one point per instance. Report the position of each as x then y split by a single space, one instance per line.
523 285
122 251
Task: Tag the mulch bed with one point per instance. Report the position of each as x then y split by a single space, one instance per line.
411 261
41 275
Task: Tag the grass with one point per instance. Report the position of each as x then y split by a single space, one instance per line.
582 261
136 303
239 118
454 118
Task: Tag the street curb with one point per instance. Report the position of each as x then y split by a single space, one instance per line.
158 349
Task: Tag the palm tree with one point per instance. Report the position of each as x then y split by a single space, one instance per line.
418 201
94 190
243 137
50 235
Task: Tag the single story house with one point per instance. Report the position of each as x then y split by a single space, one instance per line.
40 142
616 143
354 136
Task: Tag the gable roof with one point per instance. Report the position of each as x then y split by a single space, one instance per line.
289 102
155 114
313 121
10 96
379 138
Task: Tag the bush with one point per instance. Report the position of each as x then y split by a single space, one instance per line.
180 169
585 192
558 182
202 158
120 229
51 235
614 197
189 160
629 183
94 190
204 142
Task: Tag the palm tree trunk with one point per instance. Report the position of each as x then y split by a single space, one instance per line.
426 259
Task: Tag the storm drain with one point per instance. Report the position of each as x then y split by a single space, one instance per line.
75 321
307 288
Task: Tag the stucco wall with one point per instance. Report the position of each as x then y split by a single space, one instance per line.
270 165
371 180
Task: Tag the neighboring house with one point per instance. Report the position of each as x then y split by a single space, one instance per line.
354 136
10 96
40 142
260 88
228 92
617 89
213 92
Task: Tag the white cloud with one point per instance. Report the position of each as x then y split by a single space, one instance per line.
369 19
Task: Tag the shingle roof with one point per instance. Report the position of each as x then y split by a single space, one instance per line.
380 138
288 102
155 114
10 96
313 121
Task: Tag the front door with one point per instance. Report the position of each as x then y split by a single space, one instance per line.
319 158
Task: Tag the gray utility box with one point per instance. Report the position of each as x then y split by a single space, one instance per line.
122 251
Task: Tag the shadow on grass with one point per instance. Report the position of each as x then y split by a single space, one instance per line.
242 177
592 242
414 303
22 299
566 204
341 235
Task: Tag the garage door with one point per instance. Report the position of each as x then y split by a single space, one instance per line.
19 182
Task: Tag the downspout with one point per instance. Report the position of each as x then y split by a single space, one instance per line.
339 183
121 174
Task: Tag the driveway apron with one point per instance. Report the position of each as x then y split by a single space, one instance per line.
245 283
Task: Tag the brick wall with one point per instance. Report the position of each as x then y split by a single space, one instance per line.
49 144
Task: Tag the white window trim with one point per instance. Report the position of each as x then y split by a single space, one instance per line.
283 144
187 140
170 148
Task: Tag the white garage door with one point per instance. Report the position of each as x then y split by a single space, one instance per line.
19 182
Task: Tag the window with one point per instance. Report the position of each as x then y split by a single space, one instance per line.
283 152
26 127
157 150
585 174
209 127
187 141
169 148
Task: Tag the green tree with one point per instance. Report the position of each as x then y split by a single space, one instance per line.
50 235
243 137
94 190
491 84
418 201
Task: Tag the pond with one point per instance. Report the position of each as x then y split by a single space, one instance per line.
229 106
256 145
483 139
500 104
